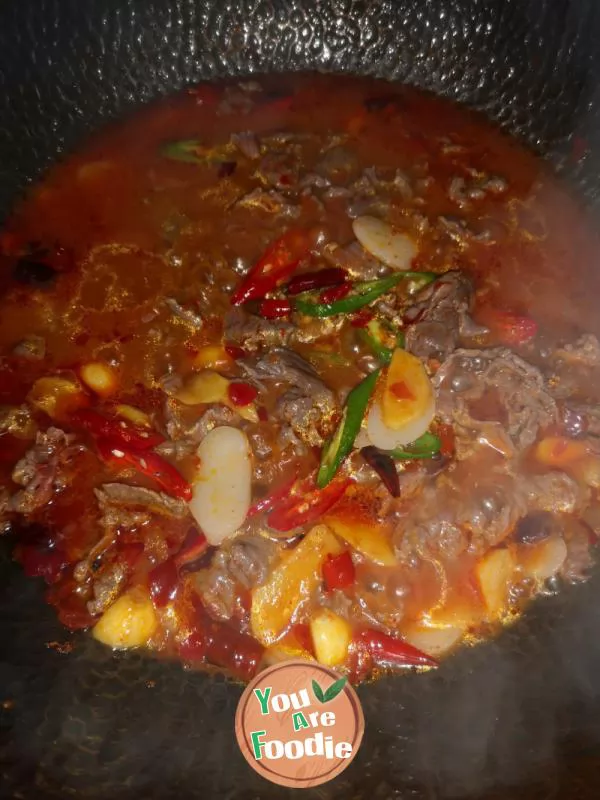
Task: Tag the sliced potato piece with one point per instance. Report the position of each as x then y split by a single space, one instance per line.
367 536
331 635
292 581
129 622
495 573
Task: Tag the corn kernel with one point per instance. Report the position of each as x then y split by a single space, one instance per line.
331 636
203 387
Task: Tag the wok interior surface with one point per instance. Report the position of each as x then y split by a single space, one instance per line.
515 717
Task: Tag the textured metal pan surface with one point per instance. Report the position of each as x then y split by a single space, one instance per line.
519 717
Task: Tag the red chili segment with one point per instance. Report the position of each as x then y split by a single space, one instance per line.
276 265
275 309
150 464
194 546
510 328
385 650
335 293
401 391
100 426
302 508
338 571
235 352
163 582
332 276
272 499
242 394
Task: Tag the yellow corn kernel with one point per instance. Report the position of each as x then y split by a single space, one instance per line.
203 387
331 635
129 622
134 415
212 356
100 378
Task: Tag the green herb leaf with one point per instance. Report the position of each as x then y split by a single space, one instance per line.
335 689
318 692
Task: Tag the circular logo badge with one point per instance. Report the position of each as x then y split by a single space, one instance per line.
299 724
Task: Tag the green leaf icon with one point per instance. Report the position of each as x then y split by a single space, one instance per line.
335 689
318 692
332 692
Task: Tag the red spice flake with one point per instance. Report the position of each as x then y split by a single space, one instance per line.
235 352
445 434
242 394
401 391
362 318
335 293
510 328
263 414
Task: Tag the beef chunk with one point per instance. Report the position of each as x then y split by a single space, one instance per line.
471 378
125 506
355 259
307 400
437 319
107 586
251 332
240 564
41 471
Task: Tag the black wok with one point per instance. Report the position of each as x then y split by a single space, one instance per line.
515 718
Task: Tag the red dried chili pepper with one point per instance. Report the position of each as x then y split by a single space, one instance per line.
163 582
338 571
242 394
263 414
275 309
194 546
235 352
150 464
384 466
274 267
335 293
301 508
386 650
362 318
119 431
271 499
332 276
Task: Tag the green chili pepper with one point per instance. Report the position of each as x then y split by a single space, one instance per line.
363 293
340 444
184 150
374 336
425 446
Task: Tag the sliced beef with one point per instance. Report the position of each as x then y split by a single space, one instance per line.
439 316
33 348
271 202
470 379
125 506
338 165
186 314
584 351
247 143
355 259
251 332
237 566
106 587
447 521
307 400
42 470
